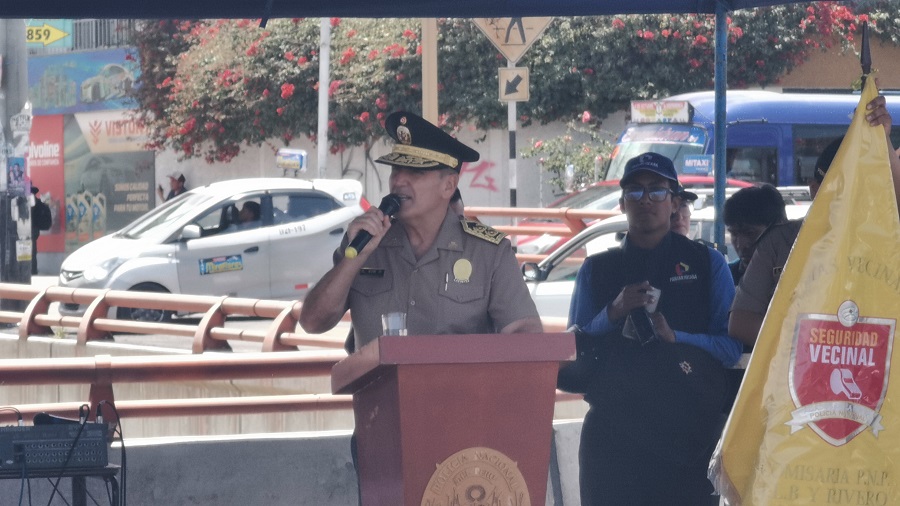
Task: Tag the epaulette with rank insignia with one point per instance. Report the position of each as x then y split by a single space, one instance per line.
482 231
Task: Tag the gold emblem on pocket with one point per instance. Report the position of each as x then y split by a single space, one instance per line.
462 271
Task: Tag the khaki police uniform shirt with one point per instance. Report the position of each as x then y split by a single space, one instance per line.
758 284
463 285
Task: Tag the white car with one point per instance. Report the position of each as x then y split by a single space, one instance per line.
201 243
552 281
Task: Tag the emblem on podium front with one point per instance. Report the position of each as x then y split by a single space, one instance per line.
477 476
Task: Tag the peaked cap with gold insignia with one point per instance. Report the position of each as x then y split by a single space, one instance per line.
423 146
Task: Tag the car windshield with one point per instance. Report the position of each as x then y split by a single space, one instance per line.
672 141
159 221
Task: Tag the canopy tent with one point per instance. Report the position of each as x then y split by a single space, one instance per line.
194 9
170 9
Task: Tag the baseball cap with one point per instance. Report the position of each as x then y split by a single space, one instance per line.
423 146
177 175
650 162
825 159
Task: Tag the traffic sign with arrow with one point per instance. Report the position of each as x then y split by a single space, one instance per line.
514 84
44 34
513 36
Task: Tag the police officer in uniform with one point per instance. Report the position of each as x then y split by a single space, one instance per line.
655 399
450 276
757 286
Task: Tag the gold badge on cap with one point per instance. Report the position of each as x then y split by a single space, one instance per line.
462 271
403 134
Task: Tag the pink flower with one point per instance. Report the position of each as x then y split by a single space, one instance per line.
618 23
287 90
585 117
700 40
538 144
265 93
335 22
289 56
302 60
333 87
347 56
364 117
188 126
280 111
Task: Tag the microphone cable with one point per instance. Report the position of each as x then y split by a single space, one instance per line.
83 412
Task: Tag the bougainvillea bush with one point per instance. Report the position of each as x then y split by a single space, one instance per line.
210 87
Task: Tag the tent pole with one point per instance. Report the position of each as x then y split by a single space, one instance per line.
429 70
720 135
324 84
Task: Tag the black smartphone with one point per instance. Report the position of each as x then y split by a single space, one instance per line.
643 326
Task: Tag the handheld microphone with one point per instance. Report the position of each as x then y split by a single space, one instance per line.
390 204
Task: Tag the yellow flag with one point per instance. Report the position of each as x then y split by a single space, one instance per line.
817 419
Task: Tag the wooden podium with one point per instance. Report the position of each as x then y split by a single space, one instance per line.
454 419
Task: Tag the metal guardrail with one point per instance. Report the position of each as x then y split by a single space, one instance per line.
101 372
575 220
282 335
209 334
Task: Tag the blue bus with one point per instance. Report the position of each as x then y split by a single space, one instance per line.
772 137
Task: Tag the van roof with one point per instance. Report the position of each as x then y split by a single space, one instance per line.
773 107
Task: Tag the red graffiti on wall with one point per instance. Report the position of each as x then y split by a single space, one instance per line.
480 178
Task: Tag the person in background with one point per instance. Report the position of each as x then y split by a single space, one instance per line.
748 214
41 219
655 402
757 286
248 216
681 218
250 212
176 187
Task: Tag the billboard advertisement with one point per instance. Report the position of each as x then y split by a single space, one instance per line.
105 190
45 160
79 82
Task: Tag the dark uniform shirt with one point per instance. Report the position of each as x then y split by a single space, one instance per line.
655 409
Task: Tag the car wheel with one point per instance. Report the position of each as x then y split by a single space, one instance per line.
143 314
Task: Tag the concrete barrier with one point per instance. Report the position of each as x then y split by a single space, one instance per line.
296 469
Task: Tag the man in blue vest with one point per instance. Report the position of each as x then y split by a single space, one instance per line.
656 311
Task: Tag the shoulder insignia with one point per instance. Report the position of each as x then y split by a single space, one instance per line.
482 231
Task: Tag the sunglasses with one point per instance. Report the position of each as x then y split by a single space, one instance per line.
636 193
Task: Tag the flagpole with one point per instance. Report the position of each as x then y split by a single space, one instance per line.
865 56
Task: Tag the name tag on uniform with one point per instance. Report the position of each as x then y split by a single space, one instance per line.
368 271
